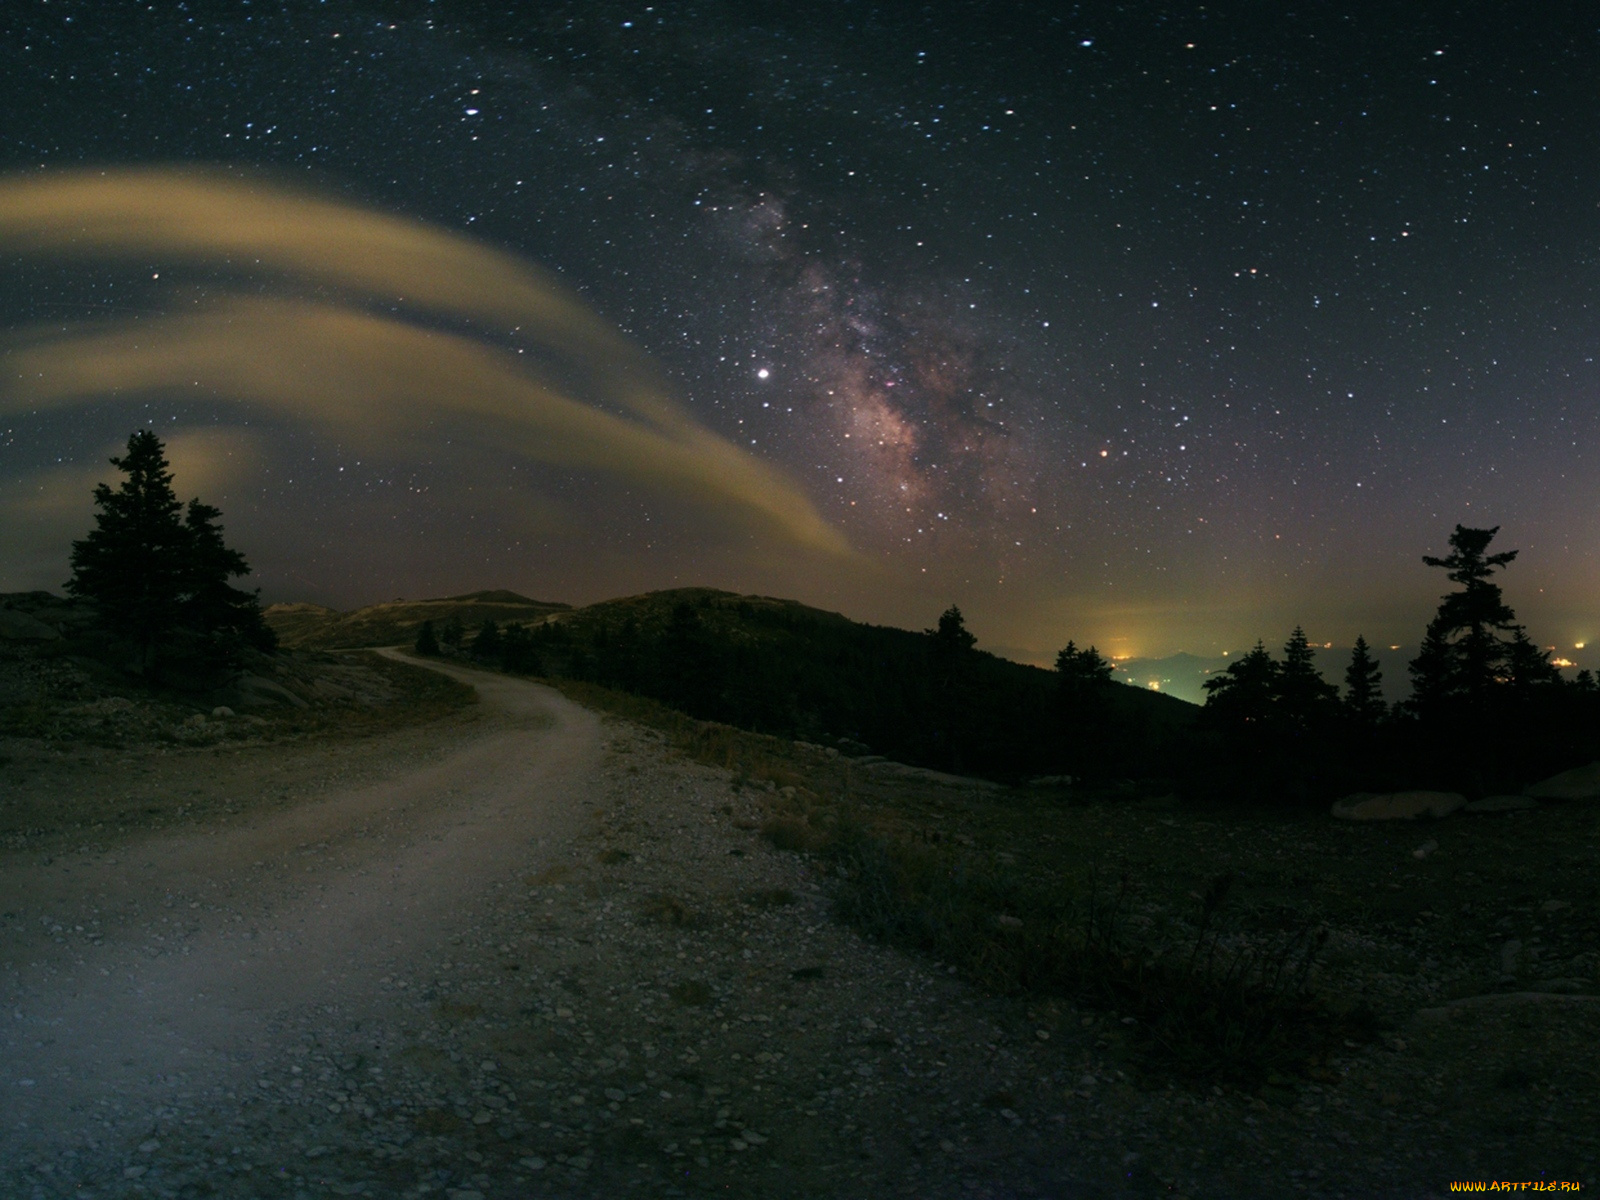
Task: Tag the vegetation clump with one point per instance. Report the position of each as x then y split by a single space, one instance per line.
1214 1005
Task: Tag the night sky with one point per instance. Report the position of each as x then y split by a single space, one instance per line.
1163 327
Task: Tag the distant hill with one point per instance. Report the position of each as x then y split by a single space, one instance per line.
778 666
394 622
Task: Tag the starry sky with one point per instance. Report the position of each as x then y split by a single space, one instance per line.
1160 326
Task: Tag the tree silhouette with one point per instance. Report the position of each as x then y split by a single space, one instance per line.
427 640
1083 694
1363 698
451 632
212 606
488 644
1081 672
152 571
1247 692
1527 667
950 649
131 565
1464 653
1305 699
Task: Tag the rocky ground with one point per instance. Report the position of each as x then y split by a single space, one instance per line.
660 1004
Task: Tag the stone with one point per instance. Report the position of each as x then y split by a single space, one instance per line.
1396 806
1495 804
1510 955
18 626
1427 848
1580 783
252 691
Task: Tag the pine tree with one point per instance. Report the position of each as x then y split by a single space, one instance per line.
427 640
212 606
1464 654
1527 667
1305 698
131 565
1247 692
450 635
1081 671
952 638
950 649
151 572
487 644
1363 698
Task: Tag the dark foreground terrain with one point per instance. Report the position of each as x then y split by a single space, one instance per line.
648 996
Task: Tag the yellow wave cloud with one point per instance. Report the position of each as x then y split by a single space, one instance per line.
346 367
378 382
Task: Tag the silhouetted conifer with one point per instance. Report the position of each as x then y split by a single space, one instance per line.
131 565
1247 692
212 606
1527 667
1363 698
1305 699
950 649
1464 653
153 573
518 651
427 640
451 634
1081 672
488 644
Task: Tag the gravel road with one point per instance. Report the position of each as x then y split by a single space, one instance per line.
162 971
534 955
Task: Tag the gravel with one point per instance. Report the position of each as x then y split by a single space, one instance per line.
666 1008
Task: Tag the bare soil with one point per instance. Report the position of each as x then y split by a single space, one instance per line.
521 950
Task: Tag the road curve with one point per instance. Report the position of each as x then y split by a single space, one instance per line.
229 931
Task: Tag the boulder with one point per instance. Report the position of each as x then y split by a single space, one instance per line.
18 626
1493 804
1580 783
252 691
1397 806
904 773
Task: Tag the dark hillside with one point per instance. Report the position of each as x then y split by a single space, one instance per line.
311 626
777 666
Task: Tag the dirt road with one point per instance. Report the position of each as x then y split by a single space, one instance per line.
165 968
528 955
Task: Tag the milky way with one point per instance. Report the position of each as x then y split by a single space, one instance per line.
1163 328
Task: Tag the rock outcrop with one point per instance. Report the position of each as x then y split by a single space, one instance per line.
1580 783
1397 806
